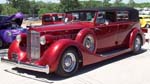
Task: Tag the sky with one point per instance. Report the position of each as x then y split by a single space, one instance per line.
125 1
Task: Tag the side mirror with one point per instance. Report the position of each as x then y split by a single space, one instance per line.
66 20
102 21
106 22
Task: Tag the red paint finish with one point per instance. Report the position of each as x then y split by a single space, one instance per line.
107 37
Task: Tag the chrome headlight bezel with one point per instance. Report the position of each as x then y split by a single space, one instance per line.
18 38
42 40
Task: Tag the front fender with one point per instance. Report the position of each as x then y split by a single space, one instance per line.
53 53
14 48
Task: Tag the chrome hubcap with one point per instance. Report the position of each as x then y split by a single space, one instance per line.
69 62
88 42
137 43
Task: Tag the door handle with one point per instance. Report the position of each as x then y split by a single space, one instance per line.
97 29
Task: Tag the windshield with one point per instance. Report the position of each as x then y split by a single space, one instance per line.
53 18
81 16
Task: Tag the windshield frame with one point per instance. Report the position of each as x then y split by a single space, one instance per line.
78 16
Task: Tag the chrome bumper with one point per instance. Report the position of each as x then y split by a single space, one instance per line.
32 67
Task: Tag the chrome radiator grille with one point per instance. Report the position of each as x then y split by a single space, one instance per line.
33 45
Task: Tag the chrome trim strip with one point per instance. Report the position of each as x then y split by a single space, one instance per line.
32 67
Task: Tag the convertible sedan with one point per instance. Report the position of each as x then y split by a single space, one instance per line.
91 36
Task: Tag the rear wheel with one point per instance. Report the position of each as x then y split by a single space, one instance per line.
89 42
137 44
69 63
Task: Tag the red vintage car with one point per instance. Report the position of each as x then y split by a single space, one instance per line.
92 36
52 18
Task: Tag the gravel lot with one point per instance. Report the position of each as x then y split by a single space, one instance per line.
125 69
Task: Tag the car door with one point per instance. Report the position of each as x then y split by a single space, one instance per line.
123 31
106 35
124 27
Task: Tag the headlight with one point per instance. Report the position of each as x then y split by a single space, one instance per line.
9 33
42 40
18 38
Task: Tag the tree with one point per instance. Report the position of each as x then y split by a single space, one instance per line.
42 11
106 3
34 8
131 3
20 5
67 5
8 10
1 8
118 3
142 5
54 7
91 4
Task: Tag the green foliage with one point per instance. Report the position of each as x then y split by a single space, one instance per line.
142 5
1 8
8 10
20 5
106 3
54 7
118 3
131 3
91 4
43 10
33 7
67 5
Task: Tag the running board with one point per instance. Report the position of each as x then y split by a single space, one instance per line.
115 52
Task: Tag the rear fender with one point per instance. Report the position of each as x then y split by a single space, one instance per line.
133 35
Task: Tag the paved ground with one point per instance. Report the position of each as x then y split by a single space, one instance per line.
125 69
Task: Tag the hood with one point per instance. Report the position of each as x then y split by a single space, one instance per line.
17 18
63 26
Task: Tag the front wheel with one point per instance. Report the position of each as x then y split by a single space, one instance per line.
69 63
137 44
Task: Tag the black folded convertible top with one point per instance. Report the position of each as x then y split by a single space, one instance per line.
133 13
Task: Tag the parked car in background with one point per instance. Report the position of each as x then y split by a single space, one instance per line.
10 27
92 36
144 21
52 18
3 17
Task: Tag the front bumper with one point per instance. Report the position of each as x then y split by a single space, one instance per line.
44 69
